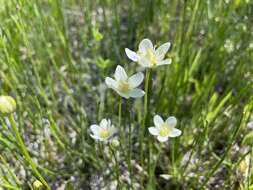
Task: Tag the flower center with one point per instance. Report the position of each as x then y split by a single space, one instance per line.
123 86
150 55
104 133
164 131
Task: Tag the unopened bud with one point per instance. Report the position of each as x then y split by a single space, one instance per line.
7 105
37 184
115 143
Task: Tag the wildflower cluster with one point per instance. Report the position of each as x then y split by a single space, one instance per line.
147 56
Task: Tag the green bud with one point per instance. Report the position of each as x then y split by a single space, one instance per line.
7 105
37 184
115 143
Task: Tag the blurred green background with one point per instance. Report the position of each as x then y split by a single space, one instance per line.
55 54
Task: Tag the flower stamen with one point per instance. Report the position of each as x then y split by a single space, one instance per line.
164 131
123 86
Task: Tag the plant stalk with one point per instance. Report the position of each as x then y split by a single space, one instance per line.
25 152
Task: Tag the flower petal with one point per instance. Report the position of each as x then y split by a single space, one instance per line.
110 82
108 123
95 137
164 62
120 73
175 132
131 54
113 130
153 131
145 45
158 121
171 121
162 50
95 129
144 62
136 79
162 139
103 123
136 93
123 94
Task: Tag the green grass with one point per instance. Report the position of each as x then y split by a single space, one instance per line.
54 57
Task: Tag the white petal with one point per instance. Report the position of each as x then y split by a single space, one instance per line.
95 129
162 50
162 139
145 45
108 123
158 121
113 130
136 93
131 54
171 121
136 79
144 62
120 73
110 82
175 133
164 62
123 94
153 131
95 137
103 123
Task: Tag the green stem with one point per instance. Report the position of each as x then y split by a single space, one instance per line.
217 165
150 171
160 149
9 171
116 166
129 145
146 103
25 152
153 166
120 112
249 172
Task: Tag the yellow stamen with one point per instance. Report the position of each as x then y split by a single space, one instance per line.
104 133
150 55
123 86
164 131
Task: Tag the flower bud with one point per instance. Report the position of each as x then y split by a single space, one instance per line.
7 105
115 143
37 184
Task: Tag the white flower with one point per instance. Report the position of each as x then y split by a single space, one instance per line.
126 86
164 129
104 131
148 55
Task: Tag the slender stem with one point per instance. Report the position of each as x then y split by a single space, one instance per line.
104 158
25 152
216 166
116 166
146 103
150 171
129 144
120 128
153 166
249 172
120 112
160 149
9 171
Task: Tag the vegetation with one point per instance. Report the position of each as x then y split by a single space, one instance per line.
54 58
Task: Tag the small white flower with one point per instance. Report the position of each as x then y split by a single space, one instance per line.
164 129
126 86
148 55
104 131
